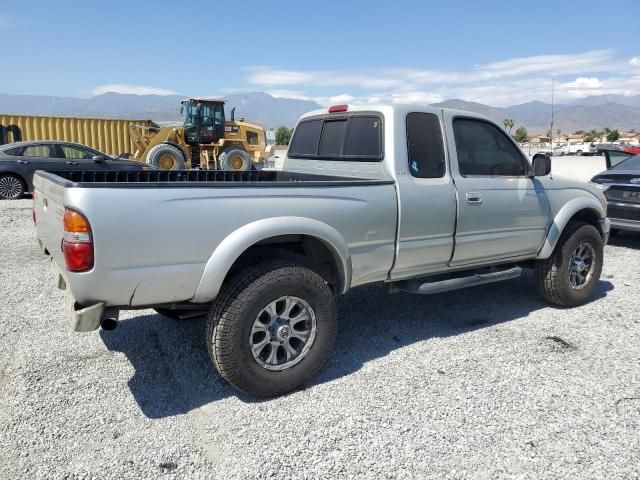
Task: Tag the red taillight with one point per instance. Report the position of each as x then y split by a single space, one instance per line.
77 244
338 108
77 256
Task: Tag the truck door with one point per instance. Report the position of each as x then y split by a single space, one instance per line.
78 158
40 156
503 213
426 195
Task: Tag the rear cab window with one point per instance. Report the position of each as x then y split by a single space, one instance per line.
425 148
354 136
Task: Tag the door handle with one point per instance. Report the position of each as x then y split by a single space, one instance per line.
474 198
23 161
72 163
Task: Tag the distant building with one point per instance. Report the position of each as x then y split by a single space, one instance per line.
539 139
575 138
630 138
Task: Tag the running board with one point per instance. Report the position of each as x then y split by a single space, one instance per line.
421 287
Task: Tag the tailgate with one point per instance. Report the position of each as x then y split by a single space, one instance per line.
49 210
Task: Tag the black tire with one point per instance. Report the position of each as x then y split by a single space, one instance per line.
579 153
12 187
166 157
553 274
180 314
237 307
235 159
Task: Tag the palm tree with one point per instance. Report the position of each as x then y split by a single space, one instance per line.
508 124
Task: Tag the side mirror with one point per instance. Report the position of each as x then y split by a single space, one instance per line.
541 165
98 158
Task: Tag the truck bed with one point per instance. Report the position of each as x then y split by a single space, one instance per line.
154 232
197 178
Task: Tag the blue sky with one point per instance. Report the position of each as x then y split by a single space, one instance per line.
493 52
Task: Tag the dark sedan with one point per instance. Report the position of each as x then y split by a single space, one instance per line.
621 186
18 162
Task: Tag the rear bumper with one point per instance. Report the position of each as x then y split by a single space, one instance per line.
624 216
629 225
84 318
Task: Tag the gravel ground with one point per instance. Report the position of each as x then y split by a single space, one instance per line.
488 382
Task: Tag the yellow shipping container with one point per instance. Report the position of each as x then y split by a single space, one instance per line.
108 135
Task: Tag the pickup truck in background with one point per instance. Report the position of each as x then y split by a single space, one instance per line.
575 149
422 199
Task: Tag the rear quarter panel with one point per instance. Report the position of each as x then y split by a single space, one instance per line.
152 244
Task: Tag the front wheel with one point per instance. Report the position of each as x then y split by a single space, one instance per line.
271 328
166 157
570 275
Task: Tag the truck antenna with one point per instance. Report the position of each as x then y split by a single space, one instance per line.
553 85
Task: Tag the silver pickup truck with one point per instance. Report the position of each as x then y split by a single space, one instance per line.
420 198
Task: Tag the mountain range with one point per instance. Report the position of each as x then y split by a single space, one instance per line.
594 112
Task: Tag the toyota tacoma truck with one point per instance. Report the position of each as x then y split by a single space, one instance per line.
422 199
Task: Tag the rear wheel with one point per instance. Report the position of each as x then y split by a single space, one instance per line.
271 328
579 153
235 159
166 157
12 186
570 275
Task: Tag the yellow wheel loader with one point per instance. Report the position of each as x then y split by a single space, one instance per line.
205 140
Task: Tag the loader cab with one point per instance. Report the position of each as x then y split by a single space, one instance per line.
203 121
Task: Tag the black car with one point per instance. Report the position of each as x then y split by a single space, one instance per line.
18 162
601 148
621 185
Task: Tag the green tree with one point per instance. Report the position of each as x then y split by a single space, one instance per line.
521 135
283 135
591 136
508 124
613 135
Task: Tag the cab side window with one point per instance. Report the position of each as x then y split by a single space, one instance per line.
37 151
483 149
425 149
76 153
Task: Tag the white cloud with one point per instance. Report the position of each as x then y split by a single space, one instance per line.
591 61
269 77
131 89
5 21
344 98
584 82
504 82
